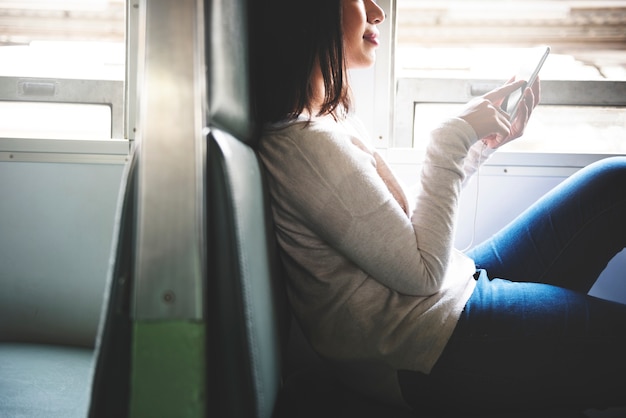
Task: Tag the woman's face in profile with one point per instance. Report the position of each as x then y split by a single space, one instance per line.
360 34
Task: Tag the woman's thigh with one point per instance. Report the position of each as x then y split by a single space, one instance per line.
568 237
525 346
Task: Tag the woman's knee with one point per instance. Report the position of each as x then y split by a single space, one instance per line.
608 173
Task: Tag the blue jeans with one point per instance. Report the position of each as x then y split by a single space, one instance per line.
537 340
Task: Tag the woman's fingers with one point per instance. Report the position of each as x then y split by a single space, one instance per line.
493 124
499 94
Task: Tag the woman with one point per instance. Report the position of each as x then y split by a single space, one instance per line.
374 280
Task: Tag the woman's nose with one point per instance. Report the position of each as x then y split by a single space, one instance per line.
376 15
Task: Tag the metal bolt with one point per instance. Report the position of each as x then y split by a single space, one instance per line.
169 297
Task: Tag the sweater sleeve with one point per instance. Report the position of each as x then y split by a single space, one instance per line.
478 154
333 188
435 212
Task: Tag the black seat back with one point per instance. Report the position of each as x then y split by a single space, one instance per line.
247 310
247 307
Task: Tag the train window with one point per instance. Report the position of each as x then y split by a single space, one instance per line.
447 52
63 71
54 120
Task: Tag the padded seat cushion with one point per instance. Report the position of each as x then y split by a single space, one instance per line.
42 381
314 393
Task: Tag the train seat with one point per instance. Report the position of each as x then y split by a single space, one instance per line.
44 381
52 276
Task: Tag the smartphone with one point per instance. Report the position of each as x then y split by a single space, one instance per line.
528 71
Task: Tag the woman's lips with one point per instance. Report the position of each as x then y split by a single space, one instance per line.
372 38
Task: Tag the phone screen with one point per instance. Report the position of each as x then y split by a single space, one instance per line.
528 71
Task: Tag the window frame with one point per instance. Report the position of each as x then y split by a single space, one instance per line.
412 91
118 95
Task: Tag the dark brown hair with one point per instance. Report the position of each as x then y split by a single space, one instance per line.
288 39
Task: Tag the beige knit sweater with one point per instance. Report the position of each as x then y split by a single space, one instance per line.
374 287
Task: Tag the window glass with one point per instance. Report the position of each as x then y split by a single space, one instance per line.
44 41
479 38
572 129
68 39
54 120
484 40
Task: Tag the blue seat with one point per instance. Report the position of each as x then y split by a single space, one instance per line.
44 381
51 286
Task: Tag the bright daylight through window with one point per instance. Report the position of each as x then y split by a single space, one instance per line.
483 40
53 53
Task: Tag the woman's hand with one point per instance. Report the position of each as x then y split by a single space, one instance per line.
491 123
